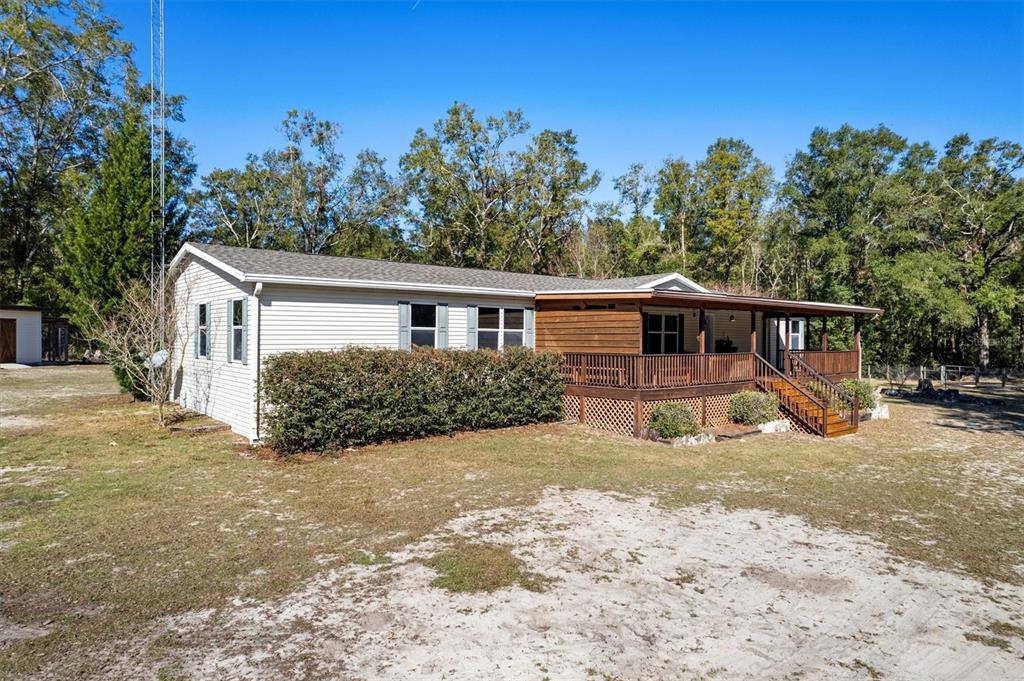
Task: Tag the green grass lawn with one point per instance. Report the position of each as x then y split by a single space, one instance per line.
107 522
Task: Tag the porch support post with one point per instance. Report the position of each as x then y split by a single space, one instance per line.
753 331
702 323
784 344
824 334
856 342
701 329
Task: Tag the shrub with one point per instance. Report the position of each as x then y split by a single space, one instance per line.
753 408
127 383
674 420
862 390
324 401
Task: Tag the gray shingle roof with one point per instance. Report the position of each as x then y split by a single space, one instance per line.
254 262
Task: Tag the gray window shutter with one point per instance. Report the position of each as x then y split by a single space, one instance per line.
245 331
442 325
528 327
471 317
195 345
231 331
404 323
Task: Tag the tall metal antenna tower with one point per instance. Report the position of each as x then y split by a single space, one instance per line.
158 152
163 170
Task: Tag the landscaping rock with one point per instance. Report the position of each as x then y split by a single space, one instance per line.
776 426
691 440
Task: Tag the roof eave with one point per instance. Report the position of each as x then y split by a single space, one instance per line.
189 249
713 300
388 285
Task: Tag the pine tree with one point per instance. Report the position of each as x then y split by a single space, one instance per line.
108 243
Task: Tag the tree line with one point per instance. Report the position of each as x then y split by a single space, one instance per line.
865 216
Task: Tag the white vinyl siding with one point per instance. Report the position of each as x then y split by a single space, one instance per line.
211 385
321 318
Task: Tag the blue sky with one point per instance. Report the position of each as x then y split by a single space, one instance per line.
635 81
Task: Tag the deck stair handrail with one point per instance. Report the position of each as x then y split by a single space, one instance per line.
834 396
811 411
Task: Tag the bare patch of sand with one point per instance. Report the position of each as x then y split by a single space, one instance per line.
634 591
20 422
10 631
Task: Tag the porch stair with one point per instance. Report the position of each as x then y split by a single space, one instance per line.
808 411
817 403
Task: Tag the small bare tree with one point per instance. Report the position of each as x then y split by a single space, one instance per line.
139 337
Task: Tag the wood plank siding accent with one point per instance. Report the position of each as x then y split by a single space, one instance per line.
831 363
596 331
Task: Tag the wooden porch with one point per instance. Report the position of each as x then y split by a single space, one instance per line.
651 372
626 351
617 391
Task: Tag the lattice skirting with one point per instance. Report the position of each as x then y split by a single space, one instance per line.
570 408
613 415
717 410
795 425
618 416
692 402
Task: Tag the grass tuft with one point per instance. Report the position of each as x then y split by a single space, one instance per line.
992 641
471 567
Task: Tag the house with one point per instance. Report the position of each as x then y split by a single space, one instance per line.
627 343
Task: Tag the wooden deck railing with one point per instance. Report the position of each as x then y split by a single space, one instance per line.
843 363
656 371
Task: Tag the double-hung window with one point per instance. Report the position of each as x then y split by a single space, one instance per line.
662 334
424 325
237 324
203 330
499 328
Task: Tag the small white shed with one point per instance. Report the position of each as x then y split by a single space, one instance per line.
21 334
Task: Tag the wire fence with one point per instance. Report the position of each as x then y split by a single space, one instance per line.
901 375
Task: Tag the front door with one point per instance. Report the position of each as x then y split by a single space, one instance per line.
8 340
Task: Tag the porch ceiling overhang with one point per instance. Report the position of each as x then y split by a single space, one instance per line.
714 301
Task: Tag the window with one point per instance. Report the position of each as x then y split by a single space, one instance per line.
202 330
499 328
512 334
662 334
488 328
424 325
237 324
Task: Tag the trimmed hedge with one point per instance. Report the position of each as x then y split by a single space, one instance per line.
753 408
863 390
674 419
326 401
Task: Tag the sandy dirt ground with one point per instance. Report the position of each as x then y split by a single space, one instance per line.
633 591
